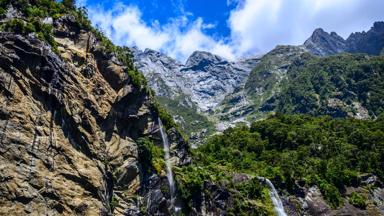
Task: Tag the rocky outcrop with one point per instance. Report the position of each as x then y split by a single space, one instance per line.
69 125
310 200
323 44
194 89
262 84
204 80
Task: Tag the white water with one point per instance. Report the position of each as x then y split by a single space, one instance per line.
168 164
275 198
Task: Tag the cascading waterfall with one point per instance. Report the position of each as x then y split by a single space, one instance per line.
275 198
168 164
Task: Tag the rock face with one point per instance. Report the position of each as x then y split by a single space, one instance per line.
323 44
310 201
204 80
228 92
69 125
263 82
194 90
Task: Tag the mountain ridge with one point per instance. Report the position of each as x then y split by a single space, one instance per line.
371 42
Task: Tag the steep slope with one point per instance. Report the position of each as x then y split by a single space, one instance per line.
293 81
79 127
274 84
339 86
163 74
371 42
263 82
323 44
193 91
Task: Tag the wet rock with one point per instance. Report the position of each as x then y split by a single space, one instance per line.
315 204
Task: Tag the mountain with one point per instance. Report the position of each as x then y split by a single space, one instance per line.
192 91
80 133
294 66
83 133
218 93
205 78
323 44
263 81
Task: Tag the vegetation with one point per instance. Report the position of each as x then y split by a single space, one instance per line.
166 118
190 120
329 153
250 196
31 22
150 155
313 81
340 86
114 202
357 200
43 31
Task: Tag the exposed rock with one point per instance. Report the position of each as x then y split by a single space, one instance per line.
371 42
315 204
262 84
68 125
205 79
323 44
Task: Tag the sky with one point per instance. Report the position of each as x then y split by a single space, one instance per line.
232 29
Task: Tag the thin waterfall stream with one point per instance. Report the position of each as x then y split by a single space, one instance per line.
275 198
168 164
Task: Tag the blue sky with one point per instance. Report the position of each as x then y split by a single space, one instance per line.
230 28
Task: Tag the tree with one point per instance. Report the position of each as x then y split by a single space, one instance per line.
69 3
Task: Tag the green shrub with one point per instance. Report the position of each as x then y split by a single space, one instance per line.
137 79
358 200
331 194
150 155
190 181
35 11
114 203
251 189
2 11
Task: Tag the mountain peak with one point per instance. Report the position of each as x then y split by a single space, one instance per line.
319 31
322 43
201 59
378 26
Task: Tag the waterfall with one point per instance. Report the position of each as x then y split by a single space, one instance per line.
168 164
275 198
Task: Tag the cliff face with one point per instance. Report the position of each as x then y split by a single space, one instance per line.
204 80
323 44
193 92
69 125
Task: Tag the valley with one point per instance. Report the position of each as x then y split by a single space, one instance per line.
91 128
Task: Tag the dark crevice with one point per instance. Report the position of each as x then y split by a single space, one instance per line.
81 181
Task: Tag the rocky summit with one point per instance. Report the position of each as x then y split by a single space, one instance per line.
205 79
370 42
193 91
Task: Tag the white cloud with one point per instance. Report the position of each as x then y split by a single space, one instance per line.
256 26
179 38
260 25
